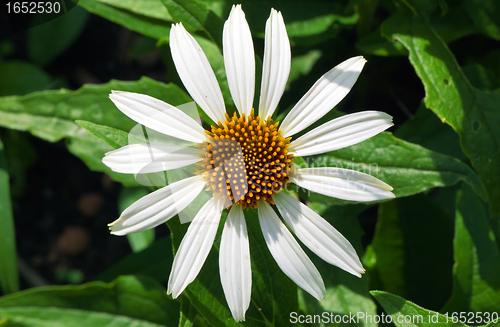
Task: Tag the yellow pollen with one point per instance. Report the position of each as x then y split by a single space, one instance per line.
250 154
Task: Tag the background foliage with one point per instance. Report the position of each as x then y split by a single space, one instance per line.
433 65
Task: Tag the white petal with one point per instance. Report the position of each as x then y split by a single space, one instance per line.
276 64
234 263
150 157
195 247
341 132
325 94
239 60
196 74
287 252
318 235
342 183
158 207
158 115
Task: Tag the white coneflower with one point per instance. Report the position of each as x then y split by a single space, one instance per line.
245 159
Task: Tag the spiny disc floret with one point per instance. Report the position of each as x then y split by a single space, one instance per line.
246 159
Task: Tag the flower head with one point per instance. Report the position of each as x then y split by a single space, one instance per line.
245 159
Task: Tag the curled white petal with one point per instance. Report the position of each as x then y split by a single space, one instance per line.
318 235
275 66
325 94
196 73
239 60
342 183
158 115
151 157
195 247
341 132
158 207
234 263
287 252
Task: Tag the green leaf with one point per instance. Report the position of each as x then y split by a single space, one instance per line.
452 26
188 313
319 26
493 323
126 301
50 115
153 27
302 65
20 78
407 314
485 14
91 150
345 294
9 280
91 103
476 284
307 22
140 240
374 43
20 155
472 113
407 167
154 262
481 77
195 15
148 8
403 257
114 137
436 136
49 40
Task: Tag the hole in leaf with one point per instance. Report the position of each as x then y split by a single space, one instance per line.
446 81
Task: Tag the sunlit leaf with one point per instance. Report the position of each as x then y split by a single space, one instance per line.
404 313
472 113
114 137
